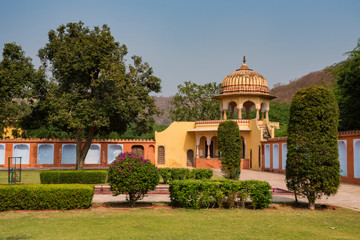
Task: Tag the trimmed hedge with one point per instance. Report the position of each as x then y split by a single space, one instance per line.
42 196
73 176
170 174
219 193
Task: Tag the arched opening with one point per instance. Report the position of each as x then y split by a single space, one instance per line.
68 155
203 147
23 151
342 157
232 110
93 155
2 153
113 151
138 149
190 158
243 148
214 153
45 154
161 155
263 108
357 158
249 110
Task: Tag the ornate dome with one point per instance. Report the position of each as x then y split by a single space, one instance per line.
244 80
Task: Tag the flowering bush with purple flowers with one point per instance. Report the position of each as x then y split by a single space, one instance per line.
133 175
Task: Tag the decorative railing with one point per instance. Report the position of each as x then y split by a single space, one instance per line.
215 122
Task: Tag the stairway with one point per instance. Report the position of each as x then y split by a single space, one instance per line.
265 131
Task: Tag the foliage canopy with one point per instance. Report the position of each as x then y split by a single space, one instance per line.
19 82
312 165
93 90
229 144
347 90
195 102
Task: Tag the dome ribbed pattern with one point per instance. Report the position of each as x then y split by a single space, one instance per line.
244 80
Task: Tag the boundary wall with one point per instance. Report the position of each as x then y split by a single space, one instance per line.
61 153
274 152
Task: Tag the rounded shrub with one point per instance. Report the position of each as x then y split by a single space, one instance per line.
132 175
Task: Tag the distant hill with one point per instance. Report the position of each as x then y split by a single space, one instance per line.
285 92
163 103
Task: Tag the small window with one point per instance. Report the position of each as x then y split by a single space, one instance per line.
45 154
161 155
23 151
68 155
2 153
113 151
93 155
138 149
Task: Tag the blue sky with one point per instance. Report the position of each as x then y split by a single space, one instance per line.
201 41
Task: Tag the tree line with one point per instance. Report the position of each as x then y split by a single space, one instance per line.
83 89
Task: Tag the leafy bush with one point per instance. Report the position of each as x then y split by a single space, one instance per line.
132 175
201 173
312 163
165 174
229 142
168 174
179 173
42 196
73 176
223 193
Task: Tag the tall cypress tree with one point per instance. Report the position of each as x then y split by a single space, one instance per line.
312 165
229 143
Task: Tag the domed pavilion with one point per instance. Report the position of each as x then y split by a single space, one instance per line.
244 98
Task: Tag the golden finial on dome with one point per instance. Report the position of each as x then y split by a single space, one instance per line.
244 60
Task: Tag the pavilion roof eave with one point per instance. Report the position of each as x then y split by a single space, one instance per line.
214 130
218 97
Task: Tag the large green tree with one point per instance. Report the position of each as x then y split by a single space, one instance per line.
229 144
195 102
18 84
94 90
312 165
347 74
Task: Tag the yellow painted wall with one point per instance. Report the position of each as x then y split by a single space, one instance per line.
176 141
253 144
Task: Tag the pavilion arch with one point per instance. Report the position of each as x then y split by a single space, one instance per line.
233 109
264 107
214 152
243 147
203 147
248 106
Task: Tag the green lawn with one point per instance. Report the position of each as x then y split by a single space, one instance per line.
33 176
27 176
167 223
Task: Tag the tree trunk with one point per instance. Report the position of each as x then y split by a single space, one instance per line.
81 151
311 199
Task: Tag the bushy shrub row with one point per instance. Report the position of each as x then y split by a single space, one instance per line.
169 174
219 193
73 176
42 196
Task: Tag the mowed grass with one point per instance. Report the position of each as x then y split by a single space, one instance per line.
167 223
33 177
27 177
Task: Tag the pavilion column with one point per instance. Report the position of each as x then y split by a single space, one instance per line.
267 115
239 114
224 115
197 150
257 114
208 149
262 115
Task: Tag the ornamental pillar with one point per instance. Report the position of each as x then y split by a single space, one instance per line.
208 149
239 113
